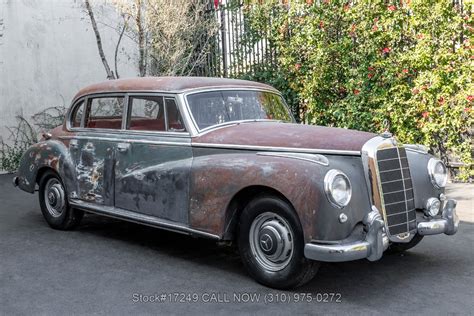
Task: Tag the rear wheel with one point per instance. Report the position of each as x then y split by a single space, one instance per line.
271 244
54 204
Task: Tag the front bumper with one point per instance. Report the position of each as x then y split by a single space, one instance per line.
376 242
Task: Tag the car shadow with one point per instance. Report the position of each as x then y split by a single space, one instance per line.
347 278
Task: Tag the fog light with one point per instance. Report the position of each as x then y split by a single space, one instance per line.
432 207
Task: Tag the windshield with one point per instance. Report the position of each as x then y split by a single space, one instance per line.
217 107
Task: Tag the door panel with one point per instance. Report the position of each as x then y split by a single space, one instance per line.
93 148
94 161
153 165
153 178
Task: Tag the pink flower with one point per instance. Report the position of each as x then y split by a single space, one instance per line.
386 50
356 91
375 28
425 114
470 98
415 91
370 68
405 71
391 8
370 75
321 24
297 66
441 100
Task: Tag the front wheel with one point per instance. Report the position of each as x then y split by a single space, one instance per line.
271 244
54 204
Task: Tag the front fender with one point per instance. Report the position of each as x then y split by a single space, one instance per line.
217 177
423 189
51 154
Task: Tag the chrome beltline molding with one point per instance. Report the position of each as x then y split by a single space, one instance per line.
139 218
225 146
314 158
279 149
137 141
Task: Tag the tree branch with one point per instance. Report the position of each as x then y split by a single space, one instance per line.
110 74
125 21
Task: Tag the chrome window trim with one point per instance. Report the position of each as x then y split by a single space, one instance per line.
126 96
165 96
69 113
86 98
200 132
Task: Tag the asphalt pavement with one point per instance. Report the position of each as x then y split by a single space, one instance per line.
111 267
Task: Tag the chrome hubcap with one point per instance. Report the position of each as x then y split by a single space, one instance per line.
271 241
55 197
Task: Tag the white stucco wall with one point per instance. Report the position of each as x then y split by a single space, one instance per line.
48 52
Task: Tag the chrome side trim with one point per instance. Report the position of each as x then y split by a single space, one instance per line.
135 141
278 149
139 218
314 158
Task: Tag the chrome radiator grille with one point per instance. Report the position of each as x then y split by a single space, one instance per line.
396 190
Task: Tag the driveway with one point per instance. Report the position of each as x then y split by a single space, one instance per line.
107 266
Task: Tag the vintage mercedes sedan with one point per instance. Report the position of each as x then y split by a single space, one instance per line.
224 159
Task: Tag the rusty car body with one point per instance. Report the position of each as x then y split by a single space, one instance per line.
224 159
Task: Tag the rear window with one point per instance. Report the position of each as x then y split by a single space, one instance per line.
105 113
147 114
76 117
154 113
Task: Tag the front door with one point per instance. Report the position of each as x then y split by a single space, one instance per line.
153 162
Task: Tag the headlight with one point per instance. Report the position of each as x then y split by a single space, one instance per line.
438 173
432 207
338 188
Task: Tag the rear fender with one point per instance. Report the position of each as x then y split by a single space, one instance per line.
51 154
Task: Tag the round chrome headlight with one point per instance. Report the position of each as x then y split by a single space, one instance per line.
433 206
438 173
338 188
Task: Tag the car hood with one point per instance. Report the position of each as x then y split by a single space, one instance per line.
275 134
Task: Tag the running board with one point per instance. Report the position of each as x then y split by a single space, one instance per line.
134 217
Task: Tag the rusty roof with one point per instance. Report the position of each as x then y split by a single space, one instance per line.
167 84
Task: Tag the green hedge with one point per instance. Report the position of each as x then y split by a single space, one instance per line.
355 64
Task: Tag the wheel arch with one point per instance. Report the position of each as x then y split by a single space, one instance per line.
241 199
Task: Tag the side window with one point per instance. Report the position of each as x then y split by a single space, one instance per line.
105 113
174 119
147 114
76 117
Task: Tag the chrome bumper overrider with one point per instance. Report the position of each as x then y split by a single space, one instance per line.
376 242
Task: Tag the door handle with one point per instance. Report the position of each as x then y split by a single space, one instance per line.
73 143
123 147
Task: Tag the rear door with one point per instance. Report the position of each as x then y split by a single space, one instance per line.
154 161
